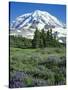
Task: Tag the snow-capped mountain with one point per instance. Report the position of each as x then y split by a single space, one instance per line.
26 24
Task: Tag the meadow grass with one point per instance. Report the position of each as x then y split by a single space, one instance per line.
45 66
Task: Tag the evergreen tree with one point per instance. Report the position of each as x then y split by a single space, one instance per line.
36 40
50 34
41 41
43 37
47 38
50 37
50 40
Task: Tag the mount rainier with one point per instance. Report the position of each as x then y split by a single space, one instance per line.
26 24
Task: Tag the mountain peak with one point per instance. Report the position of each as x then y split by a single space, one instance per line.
38 11
26 24
37 18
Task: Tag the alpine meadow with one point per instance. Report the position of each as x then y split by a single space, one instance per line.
37 45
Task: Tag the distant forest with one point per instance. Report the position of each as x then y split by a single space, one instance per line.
41 40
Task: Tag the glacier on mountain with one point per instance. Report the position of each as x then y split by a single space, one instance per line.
26 24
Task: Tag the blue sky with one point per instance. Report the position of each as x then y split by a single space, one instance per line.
19 8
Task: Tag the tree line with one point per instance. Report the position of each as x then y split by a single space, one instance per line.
41 40
44 39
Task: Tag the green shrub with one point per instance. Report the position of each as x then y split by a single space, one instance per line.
28 81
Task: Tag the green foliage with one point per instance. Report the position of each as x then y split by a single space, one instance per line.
28 81
40 40
43 38
36 40
38 66
20 42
